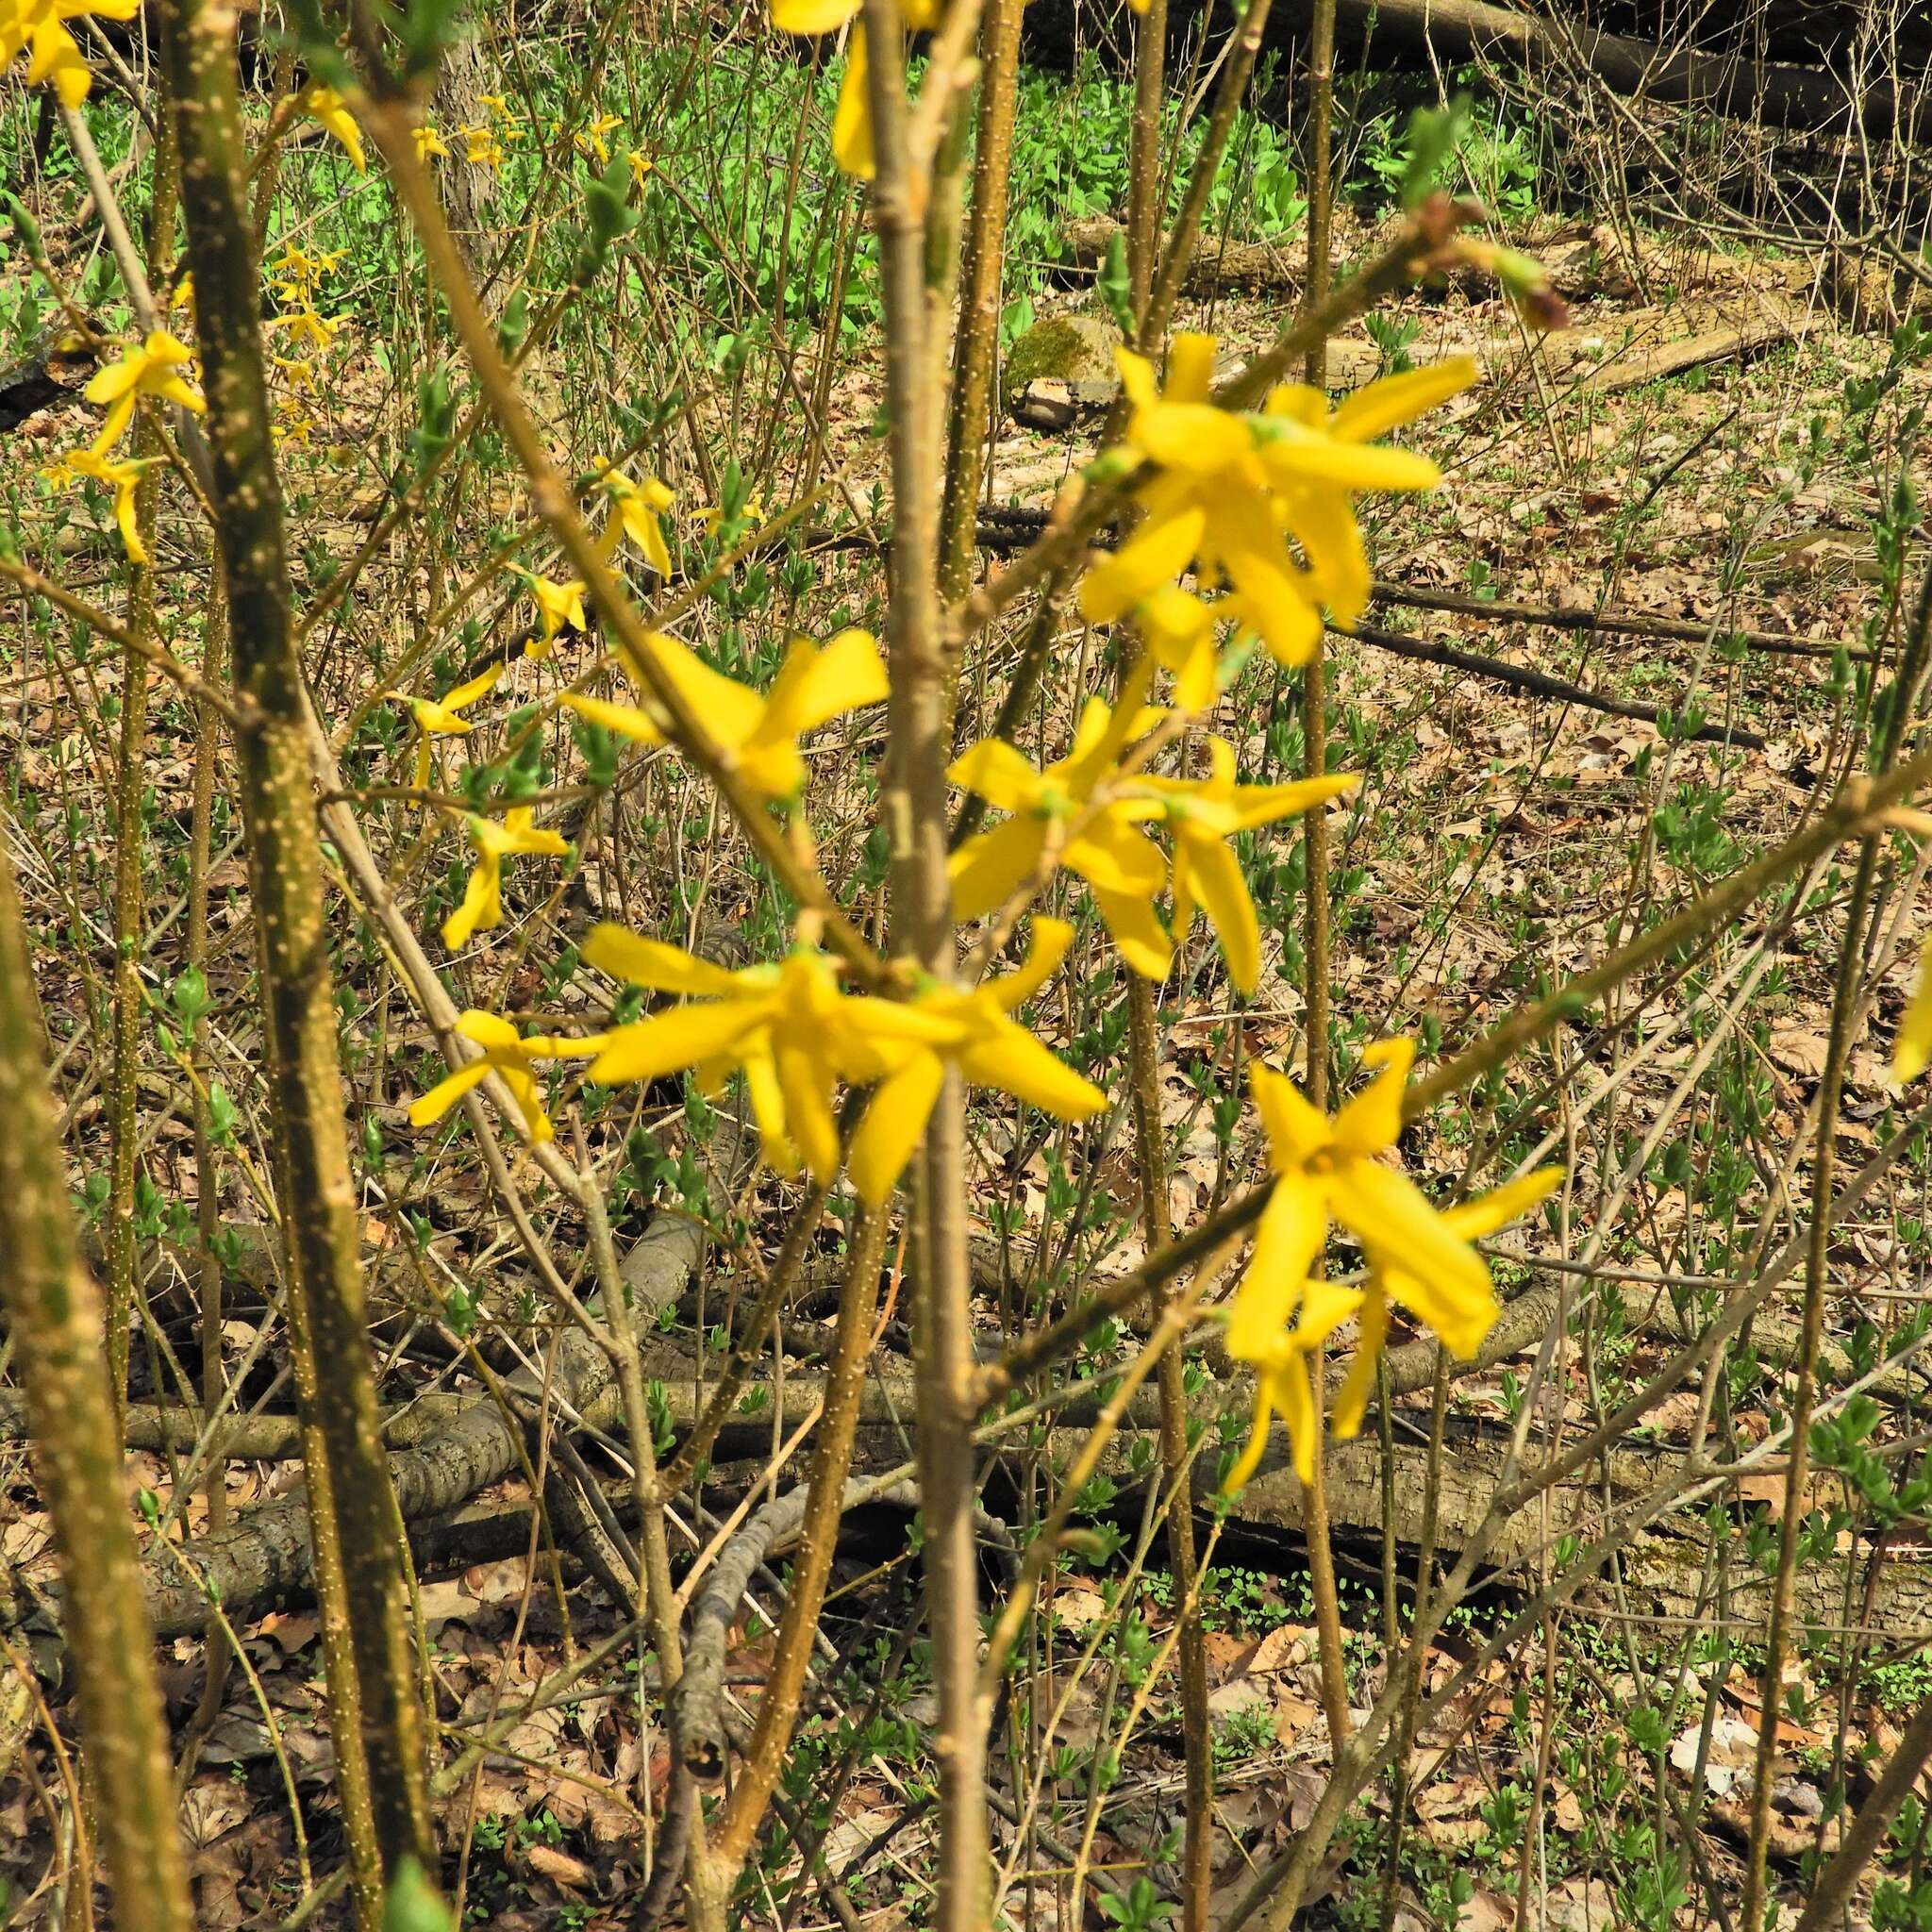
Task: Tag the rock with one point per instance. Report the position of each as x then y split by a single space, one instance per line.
1076 350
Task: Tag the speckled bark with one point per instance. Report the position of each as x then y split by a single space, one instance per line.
349 1484
124 1281
54 1319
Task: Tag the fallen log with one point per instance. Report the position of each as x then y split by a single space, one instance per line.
265 1555
1218 265
1727 80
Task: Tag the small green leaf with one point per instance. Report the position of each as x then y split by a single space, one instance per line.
412 1904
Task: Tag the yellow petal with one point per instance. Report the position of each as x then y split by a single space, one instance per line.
1326 526
1011 1060
1911 1053
1296 1401
1395 399
989 869
1112 857
1496 1210
1250 1457
1149 562
1051 939
1190 368
487 1030
1359 1383
523 1090
1291 457
482 904
647 1049
1295 1130
1137 931
817 683
124 517
852 145
1193 439
1422 1261
1215 880
469 694
893 1126
1294 1226
626 955
732 710
1261 805
812 16
1372 1119
999 773
428 1108
627 721
1325 1306
806 1084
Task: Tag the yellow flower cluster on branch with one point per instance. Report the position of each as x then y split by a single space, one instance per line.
559 607
788 1027
795 1034
482 901
1081 813
635 509
442 717
756 735
325 106
123 477
504 1052
1230 492
1330 1171
148 368
39 29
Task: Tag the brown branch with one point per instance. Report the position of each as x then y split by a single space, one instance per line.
1540 684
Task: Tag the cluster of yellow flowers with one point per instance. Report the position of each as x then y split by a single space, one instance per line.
1261 508
39 29
150 368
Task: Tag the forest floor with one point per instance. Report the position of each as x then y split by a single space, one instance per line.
1502 838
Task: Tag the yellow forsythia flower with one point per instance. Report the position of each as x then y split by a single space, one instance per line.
145 369
641 167
788 1026
428 142
590 139
1203 815
1232 489
504 1052
323 104
316 332
481 145
1332 1171
1123 867
852 145
482 905
122 479
41 28
1912 1051
558 605
759 736
635 509
975 1031
1469 1220
442 717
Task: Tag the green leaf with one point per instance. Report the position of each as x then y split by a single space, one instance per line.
412 1904
1433 136
1114 287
